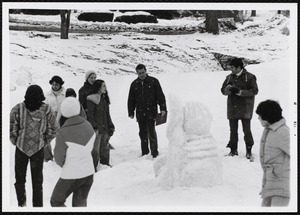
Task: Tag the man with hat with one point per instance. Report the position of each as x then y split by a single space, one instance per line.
54 98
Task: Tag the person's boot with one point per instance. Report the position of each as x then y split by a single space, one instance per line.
233 153
21 194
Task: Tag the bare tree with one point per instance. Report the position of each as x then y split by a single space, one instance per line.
211 22
65 23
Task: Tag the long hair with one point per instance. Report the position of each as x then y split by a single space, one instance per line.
270 111
34 97
95 89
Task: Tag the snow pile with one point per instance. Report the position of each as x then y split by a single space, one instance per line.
193 157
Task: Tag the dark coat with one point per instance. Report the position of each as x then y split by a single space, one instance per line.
83 93
99 115
241 107
144 96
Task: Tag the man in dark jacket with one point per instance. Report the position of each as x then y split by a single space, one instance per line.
240 87
144 95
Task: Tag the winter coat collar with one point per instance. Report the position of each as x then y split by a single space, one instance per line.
277 125
75 120
87 84
94 98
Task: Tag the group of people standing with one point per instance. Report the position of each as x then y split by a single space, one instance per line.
83 129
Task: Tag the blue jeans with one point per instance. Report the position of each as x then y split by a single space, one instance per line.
65 187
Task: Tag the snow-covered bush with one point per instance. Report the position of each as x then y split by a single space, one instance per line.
96 17
136 17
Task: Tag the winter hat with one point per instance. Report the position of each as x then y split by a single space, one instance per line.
88 73
57 79
70 107
70 92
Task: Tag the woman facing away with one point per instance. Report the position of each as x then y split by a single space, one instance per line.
73 151
32 126
274 155
98 115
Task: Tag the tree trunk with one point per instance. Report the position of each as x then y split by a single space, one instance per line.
211 22
253 12
65 23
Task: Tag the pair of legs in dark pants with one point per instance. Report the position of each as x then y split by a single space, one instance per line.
36 166
148 133
233 142
65 187
104 149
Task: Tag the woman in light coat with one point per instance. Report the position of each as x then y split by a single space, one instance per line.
274 155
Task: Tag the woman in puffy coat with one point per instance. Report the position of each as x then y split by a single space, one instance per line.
98 115
73 152
274 155
32 126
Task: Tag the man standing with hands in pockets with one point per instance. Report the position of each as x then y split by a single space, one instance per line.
144 95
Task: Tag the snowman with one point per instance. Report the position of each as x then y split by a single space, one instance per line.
193 158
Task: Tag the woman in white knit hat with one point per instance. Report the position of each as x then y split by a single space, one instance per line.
73 152
90 77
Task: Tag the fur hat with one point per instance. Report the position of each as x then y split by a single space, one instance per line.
88 74
70 107
57 79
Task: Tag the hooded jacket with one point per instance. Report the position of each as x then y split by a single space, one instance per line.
74 144
31 131
99 115
144 96
275 160
241 107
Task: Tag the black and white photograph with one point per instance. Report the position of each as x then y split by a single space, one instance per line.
149 107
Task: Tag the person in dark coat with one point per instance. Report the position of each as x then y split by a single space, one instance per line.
145 95
98 115
240 87
73 151
90 77
32 127
274 155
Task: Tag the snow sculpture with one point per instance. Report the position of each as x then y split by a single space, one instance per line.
193 155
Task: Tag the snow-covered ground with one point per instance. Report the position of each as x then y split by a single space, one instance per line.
186 68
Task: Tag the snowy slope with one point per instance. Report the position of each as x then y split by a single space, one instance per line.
185 68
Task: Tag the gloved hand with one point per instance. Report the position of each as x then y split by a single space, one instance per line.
227 89
234 90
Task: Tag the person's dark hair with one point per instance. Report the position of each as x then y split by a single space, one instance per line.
270 111
140 66
57 79
95 89
237 62
62 120
71 92
34 97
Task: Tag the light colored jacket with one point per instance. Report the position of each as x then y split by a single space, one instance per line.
275 160
54 99
74 144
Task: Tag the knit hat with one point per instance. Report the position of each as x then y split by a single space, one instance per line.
57 79
70 107
88 73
